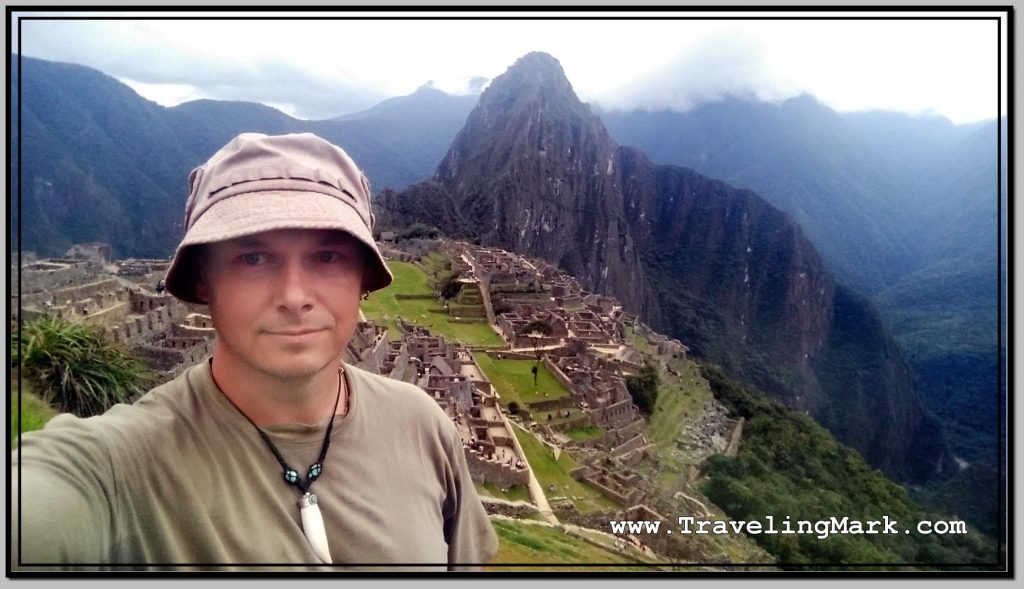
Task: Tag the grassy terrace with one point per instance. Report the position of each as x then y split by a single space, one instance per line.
34 411
580 434
514 380
680 396
411 279
513 493
553 550
550 471
680 399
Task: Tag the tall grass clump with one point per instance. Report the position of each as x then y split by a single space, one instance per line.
75 368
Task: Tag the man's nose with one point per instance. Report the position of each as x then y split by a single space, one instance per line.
294 288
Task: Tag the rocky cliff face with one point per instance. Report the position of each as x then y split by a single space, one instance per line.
534 171
730 275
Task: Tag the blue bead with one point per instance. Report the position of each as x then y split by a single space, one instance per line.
315 470
291 477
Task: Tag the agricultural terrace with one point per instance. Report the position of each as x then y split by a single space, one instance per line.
513 493
552 549
553 473
412 280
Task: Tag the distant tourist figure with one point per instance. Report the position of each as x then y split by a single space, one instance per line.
273 450
160 287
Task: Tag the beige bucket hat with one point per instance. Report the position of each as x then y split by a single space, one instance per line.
260 183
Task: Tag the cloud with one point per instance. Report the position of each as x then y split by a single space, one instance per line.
333 66
152 59
726 64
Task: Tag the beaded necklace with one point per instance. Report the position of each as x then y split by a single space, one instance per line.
312 519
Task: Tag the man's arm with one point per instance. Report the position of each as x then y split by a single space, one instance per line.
61 489
468 530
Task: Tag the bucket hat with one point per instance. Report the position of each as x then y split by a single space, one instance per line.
260 183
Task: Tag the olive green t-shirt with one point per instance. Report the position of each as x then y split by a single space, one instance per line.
182 478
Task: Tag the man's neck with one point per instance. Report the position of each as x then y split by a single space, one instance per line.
268 400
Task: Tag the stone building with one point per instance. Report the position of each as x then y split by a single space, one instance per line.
157 328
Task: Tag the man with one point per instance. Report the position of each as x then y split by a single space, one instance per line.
272 452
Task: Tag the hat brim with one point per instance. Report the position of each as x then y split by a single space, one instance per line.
258 212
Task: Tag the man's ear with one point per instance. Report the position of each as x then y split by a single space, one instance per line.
201 288
202 291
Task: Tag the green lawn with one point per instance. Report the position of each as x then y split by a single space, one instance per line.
514 380
579 434
436 264
556 472
552 549
34 411
410 279
513 493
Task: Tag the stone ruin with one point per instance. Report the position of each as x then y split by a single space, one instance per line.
450 375
168 335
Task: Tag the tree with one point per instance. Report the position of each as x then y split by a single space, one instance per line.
76 369
420 230
536 330
644 387
449 286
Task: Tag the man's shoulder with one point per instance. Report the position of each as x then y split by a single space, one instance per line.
154 413
401 400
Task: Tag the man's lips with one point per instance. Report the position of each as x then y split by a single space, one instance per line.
296 332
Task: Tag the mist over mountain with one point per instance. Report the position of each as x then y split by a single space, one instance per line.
535 171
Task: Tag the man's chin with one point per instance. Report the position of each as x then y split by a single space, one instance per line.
297 371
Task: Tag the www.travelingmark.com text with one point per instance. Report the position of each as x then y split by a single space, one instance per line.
821 528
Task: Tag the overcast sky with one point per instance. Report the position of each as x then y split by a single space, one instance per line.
321 68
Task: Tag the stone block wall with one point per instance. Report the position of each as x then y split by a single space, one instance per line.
607 491
159 358
138 330
562 403
108 316
559 375
633 443
484 470
631 429
615 415
44 278
515 509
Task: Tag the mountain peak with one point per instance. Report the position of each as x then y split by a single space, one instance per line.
536 74
429 89
537 59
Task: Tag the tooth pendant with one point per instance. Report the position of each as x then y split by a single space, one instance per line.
313 527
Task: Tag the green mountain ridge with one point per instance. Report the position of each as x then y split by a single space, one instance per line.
100 163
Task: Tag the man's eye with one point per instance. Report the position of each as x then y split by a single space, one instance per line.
252 259
328 257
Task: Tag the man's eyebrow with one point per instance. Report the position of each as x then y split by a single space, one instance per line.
247 242
335 239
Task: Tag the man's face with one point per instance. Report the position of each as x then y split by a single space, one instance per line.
284 303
